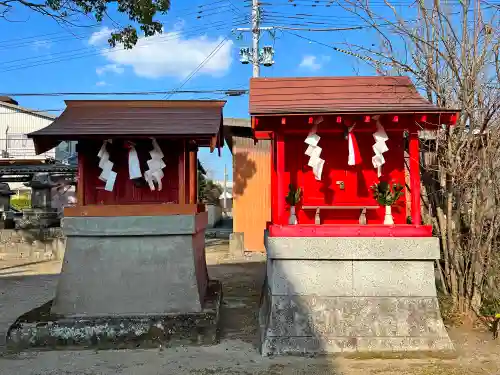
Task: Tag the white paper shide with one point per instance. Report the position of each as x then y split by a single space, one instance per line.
107 174
154 173
380 137
314 153
134 167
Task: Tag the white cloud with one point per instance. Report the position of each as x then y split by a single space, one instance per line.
41 44
179 25
98 37
111 68
310 62
171 55
101 83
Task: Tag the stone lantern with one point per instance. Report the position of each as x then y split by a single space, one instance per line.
5 209
41 214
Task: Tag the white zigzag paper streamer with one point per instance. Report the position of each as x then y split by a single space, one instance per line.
107 174
314 153
155 165
134 166
379 147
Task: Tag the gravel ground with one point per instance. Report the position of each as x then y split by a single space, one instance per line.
25 287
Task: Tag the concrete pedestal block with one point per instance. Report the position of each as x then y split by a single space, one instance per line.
128 282
328 295
132 266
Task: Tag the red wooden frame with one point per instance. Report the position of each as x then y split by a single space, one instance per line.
179 182
414 153
280 171
278 160
324 230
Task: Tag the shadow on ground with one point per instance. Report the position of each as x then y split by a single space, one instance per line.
237 354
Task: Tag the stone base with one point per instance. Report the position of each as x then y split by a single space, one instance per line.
351 295
39 329
308 325
132 266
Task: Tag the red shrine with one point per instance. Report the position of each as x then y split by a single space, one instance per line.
127 132
363 126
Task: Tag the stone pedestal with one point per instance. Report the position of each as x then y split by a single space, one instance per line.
132 265
330 295
128 280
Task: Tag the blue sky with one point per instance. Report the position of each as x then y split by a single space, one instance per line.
39 55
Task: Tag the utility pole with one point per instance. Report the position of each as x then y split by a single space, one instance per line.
256 55
255 38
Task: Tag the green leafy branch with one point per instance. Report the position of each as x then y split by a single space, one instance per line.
294 195
386 194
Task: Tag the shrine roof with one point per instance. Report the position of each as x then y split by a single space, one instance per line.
84 119
393 94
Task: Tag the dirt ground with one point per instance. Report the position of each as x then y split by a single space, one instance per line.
23 287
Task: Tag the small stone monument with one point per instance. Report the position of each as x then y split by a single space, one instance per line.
41 214
6 221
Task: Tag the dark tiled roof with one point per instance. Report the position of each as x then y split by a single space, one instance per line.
114 118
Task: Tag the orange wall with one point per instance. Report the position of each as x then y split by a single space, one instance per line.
251 190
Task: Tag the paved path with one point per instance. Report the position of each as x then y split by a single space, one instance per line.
22 288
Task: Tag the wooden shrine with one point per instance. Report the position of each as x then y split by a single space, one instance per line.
345 271
134 268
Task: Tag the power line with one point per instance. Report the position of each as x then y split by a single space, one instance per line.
122 93
108 50
208 3
59 37
321 29
165 37
188 78
366 58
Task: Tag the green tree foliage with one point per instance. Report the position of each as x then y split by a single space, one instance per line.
139 12
208 191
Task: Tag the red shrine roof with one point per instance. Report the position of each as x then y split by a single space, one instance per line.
394 94
87 119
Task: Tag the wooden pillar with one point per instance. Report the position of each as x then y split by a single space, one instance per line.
193 174
414 153
80 186
274 191
280 177
182 173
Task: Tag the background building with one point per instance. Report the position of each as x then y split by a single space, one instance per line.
251 190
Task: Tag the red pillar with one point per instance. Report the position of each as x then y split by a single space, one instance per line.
280 177
182 173
274 190
193 175
415 178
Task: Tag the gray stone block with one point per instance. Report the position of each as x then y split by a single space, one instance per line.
310 277
393 278
236 244
369 248
403 344
330 295
353 317
111 269
307 345
134 225
127 276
